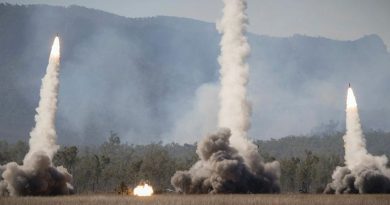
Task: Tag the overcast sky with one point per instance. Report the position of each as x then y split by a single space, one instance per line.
336 19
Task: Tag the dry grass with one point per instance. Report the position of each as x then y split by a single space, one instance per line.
283 199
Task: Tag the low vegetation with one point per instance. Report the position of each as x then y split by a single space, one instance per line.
307 163
203 200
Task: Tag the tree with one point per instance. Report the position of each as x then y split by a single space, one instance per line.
157 167
114 138
4 152
307 171
289 172
100 163
19 150
123 189
66 157
325 168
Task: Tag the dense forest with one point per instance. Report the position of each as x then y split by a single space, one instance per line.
307 162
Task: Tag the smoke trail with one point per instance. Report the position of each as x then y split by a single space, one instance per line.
355 144
234 110
37 176
43 135
363 173
229 162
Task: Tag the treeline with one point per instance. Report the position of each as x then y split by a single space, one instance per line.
307 163
378 143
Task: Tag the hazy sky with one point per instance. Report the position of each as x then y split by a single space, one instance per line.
337 19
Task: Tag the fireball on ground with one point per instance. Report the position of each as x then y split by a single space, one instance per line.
143 190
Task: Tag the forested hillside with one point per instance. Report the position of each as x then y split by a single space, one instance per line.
378 143
156 78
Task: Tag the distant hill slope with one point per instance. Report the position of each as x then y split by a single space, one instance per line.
378 143
152 79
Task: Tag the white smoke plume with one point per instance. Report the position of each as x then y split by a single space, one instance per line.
43 135
232 163
363 172
199 120
234 70
37 175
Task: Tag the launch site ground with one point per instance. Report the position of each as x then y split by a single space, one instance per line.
264 199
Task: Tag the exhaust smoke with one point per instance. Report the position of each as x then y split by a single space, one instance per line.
222 169
37 175
229 161
363 172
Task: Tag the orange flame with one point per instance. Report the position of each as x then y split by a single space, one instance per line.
55 49
351 100
143 190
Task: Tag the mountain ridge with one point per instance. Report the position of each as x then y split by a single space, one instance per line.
156 77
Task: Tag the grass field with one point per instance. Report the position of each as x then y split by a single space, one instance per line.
284 199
